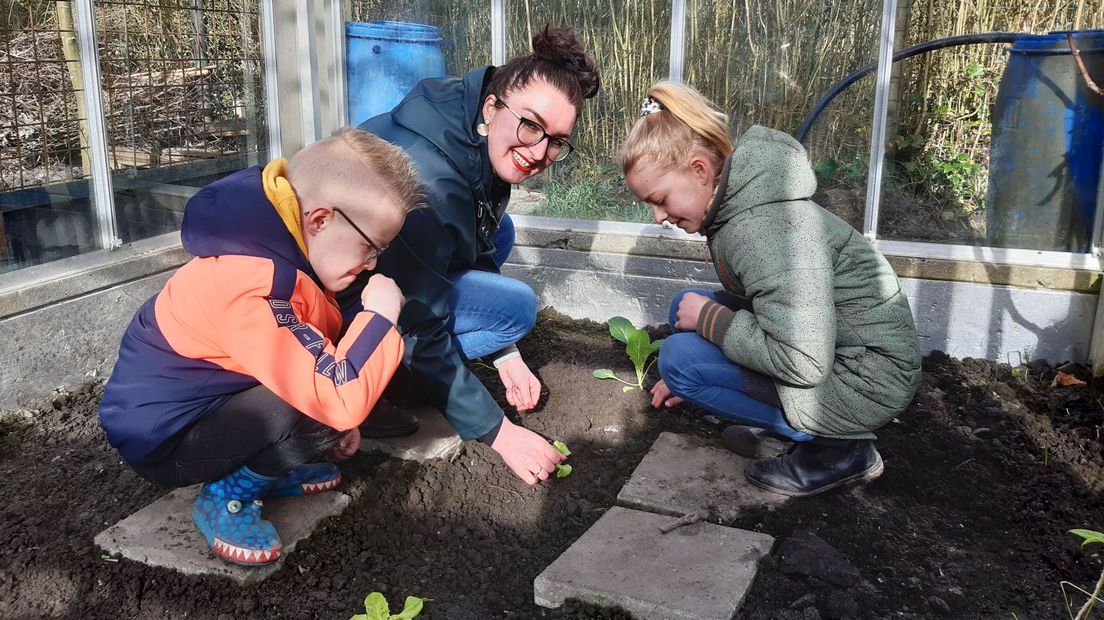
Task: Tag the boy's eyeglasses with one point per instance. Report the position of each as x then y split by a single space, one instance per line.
376 250
530 133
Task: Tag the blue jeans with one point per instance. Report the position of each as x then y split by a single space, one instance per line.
489 310
698 371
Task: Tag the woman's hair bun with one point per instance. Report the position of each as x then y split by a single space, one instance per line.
559 46
558 58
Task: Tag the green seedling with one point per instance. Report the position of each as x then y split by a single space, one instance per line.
639 348
376 608
1087 537
563 470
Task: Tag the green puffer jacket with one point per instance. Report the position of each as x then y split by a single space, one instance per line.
829 322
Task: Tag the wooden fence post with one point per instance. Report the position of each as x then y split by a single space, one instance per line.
893 117
71 52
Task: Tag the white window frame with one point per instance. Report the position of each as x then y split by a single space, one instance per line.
102 193
271 78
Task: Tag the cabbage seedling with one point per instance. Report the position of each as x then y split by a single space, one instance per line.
639 348
376 608
563 470
1087 537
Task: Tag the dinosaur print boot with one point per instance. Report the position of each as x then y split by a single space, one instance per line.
306 480
228 514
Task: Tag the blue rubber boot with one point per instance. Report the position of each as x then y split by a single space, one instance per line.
228 514
306 480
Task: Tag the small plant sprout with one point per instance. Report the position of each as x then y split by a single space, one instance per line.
376 608
1087 537
563 470
639 348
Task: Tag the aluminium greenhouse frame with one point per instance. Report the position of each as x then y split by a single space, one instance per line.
312 123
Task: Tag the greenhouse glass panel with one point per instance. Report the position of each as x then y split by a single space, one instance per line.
391 45
767 63
994 143
45 187
630 40
183 97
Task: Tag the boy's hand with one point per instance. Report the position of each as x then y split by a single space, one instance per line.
382 296
526 453
662 397
346 446
522 386
688 311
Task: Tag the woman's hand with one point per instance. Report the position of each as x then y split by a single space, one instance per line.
346 446
522 386
526 453
662 397
689 309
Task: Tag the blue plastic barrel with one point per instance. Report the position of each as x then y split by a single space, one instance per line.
1047 145
384 60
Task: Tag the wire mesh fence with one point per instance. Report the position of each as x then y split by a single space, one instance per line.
40 135
182 80
182 99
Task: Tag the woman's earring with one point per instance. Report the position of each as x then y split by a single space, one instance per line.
483 129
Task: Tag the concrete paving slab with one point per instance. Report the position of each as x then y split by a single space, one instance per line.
162 534
681 474
435 439
700 571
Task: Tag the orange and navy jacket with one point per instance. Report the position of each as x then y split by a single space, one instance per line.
247 311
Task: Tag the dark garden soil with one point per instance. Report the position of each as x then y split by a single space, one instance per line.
984 475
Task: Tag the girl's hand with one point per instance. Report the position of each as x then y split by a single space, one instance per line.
522 386
688 311
662 397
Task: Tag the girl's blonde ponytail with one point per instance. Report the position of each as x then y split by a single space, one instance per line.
685 122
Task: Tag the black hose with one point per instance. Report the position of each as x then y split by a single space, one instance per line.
854 76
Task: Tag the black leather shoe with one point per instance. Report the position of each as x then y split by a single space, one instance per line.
754 443
816 466
388 421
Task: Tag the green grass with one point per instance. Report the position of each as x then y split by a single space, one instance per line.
589 201
589 192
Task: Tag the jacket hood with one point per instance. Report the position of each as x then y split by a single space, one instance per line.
233 216
429 110
765 166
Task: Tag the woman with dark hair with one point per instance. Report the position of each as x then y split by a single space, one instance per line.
471 138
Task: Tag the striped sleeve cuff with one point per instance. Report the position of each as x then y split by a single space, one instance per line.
713 322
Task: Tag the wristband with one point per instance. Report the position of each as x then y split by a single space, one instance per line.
499 361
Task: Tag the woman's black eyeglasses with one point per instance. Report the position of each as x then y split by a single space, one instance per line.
530 133
376 250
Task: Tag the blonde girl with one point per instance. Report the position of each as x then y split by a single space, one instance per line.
810 346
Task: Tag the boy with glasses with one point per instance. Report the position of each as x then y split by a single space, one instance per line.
237 374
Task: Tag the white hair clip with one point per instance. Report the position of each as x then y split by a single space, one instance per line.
649 106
